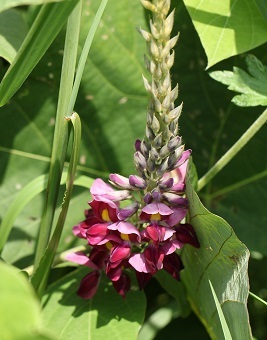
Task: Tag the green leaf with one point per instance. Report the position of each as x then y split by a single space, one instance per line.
176 290
223 260
262 7
227 29
13 30
19 308
6 4
47 25
252 85
107 315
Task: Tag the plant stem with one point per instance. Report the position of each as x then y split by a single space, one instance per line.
61 130
227 157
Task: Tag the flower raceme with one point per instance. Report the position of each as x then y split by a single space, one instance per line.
142 236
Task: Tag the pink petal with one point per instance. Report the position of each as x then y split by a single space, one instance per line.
89 285
80 258
120 181
137 261
177 216
125 228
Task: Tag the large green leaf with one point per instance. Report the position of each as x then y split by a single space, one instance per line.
19 308
223 260
107 315
227 28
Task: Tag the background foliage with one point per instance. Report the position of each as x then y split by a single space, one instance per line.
112 105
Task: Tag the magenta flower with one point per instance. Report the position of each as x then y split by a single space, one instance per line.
143 235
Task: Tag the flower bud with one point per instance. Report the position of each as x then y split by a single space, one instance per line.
146 35
157 141
168 24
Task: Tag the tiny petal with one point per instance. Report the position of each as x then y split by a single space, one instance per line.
120 253
173 265
137 145
142 279
137 182
119 180
128 211
154 208
137 261
125 228
89 285
122 285
176 199
177 216
186 233
80 258
166 184
185 155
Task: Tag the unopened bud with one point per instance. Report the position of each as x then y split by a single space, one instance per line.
174 143
170 59
155 126
157 141
149 133
175 113
154 30
153 155
154 50
170 44
164 152
146 35
148 5
168 24
139 160
146 84
174 93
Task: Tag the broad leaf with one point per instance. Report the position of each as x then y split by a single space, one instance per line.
106 315
13 30
223 260
252 85
19 308
227 28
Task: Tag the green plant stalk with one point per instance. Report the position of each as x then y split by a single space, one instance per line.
84 54
61 130
40 275
231 153
258 298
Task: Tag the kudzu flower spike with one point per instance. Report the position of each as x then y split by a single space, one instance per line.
144 235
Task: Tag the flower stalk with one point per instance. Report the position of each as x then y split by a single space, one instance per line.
143 236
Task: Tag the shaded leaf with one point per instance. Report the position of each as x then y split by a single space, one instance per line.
231 28
252 85
6 4
13 30
223 260
106 315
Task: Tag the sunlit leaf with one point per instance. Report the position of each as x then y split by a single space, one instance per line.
6 4
227 28
223 260
106 315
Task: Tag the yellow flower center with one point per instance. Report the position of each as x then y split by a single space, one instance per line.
109 245
155 217
125 237
105 215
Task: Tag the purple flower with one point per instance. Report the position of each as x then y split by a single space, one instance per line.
155 211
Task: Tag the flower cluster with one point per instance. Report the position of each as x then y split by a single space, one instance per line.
144 233
142 236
